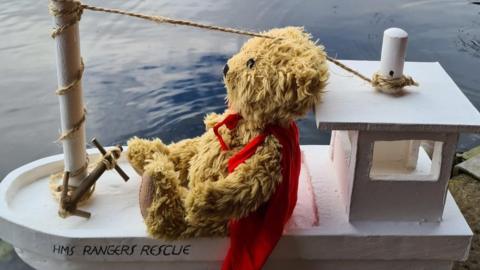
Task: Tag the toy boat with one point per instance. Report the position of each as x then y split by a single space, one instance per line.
421 228
372 199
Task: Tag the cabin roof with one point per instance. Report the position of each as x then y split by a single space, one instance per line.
437 104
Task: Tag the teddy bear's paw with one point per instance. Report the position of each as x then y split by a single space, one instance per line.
161 199
141 150
160 182
147 191
154 171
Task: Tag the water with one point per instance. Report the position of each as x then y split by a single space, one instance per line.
159 80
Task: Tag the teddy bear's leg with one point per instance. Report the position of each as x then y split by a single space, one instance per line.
141 150
161 199
162 204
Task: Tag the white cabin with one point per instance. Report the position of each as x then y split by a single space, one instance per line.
376 146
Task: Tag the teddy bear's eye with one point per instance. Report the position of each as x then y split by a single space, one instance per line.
250 63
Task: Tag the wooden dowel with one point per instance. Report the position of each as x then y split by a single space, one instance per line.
66 176
87 183
394 48
81 213
103 151
71 103
99 146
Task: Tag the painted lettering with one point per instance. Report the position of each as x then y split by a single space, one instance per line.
186 250
124 250
109 250
63 250
165 250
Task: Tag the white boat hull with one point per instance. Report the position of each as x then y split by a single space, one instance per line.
115 236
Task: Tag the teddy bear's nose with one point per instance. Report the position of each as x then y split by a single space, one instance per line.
225 70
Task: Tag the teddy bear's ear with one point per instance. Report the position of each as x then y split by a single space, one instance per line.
310 79
301 69
309 73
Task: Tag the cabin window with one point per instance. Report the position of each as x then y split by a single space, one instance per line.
406 160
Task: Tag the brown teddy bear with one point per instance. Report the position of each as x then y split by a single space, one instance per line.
240 177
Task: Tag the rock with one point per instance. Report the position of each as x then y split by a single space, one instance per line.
471 153
470 166
466 191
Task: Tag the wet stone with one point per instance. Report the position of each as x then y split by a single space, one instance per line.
471 153
470 166
466 191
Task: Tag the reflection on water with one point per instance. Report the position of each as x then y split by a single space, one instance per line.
159 80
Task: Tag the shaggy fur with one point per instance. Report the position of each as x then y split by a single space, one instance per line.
194 194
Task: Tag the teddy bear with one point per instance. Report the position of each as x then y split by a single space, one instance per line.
240 177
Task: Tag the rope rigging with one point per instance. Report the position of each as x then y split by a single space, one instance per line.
73 10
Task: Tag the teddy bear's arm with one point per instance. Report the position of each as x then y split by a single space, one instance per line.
241 192
180 154
140 152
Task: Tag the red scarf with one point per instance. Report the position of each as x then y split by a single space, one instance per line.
254 237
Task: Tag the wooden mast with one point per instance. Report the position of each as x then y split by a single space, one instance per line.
69 72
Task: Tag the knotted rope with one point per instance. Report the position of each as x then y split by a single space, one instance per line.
56 186
391 85
161 19
75 11
378 81
69 133
110 158
64 89
81 169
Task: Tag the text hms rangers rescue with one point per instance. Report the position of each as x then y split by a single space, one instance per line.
122 250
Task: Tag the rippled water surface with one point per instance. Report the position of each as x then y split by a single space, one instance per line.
155 80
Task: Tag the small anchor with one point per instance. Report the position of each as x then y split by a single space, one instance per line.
69 202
